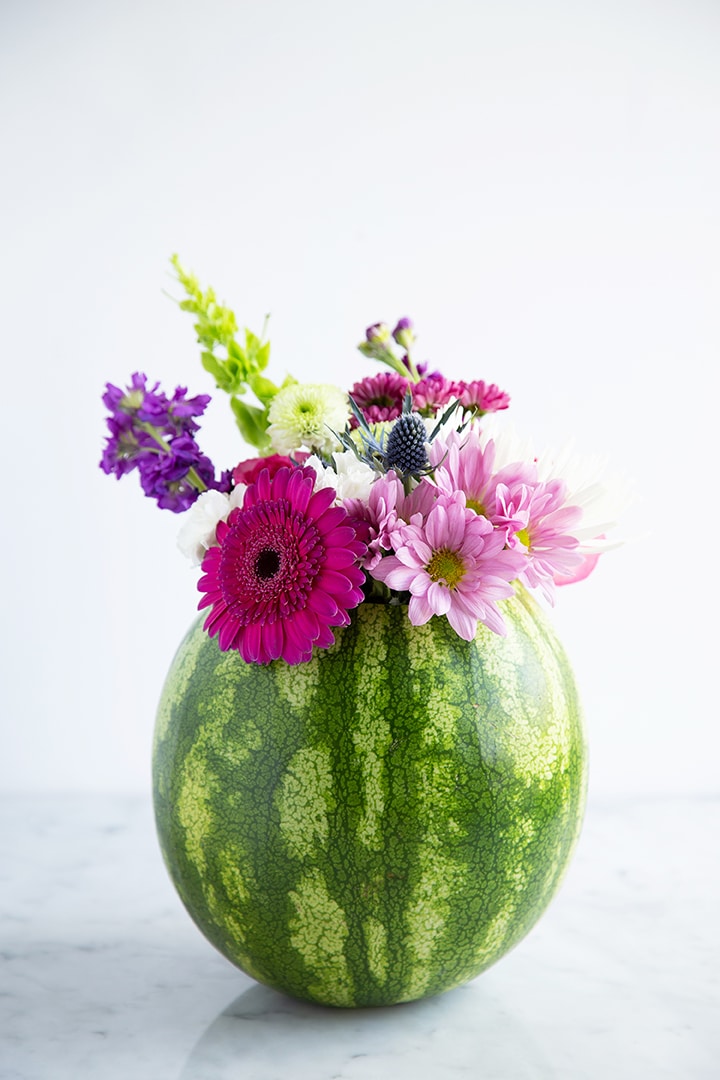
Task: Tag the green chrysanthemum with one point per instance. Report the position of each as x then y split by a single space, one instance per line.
307 415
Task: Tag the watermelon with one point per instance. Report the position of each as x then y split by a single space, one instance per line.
382 823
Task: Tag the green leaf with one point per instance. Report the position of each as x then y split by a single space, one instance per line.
233 366
263 389
252 342
236 352
215 368
252 423
216 328
257 354
263 356
225 377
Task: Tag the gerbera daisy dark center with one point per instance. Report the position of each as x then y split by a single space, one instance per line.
267 563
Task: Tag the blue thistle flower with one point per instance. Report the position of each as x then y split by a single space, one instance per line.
405 451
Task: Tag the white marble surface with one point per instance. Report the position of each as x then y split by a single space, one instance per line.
104 976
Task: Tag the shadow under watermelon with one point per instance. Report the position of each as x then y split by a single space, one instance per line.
264 1035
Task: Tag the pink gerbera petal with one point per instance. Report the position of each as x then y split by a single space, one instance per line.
273 639
283 571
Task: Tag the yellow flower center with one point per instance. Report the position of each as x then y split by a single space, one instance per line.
473 504
523 536
446 566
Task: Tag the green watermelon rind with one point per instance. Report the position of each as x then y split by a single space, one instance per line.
382 823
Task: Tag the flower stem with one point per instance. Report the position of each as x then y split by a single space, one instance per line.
153 432
195 480
414 373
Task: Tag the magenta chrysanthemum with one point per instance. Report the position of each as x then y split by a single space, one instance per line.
380 397
483 397
388 508
284 570
434 392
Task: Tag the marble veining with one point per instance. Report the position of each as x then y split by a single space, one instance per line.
103 975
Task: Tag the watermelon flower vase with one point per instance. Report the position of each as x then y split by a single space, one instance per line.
382 823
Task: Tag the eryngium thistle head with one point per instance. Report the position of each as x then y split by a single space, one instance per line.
405 451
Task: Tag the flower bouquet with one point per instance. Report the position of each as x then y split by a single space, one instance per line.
369 768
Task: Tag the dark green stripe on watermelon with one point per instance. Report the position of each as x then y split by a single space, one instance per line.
379 824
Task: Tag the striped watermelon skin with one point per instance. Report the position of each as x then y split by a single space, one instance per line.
382 823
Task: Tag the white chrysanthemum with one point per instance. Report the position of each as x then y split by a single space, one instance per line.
307 415
510 446
601 498
197 532
351 478
448 419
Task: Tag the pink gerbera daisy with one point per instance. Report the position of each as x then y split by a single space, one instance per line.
453 563
283 572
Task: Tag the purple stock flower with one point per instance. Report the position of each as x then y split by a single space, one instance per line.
155 435
122 447
164 476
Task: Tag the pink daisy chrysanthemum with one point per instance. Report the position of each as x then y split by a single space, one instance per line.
539 523
485 397
283 572
453 563
430 394
466 462
388 509
370 518
380 397
462 463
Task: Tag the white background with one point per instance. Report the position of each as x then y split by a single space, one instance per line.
536 184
